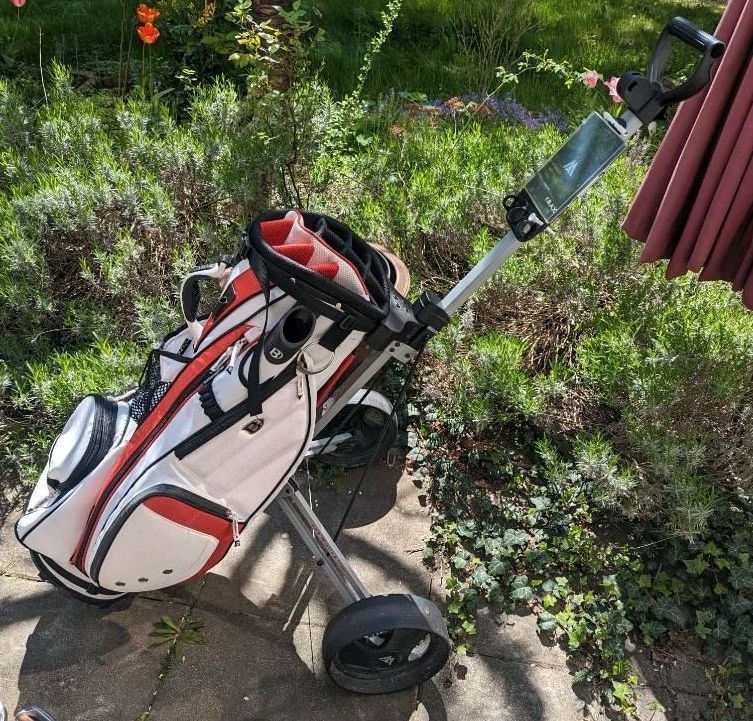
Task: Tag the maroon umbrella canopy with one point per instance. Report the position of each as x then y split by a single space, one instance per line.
695 206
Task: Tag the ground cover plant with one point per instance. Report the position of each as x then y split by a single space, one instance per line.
584 442
586 451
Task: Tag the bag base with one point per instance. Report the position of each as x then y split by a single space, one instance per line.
51 572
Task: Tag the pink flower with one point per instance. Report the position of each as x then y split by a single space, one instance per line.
18 3
611 85
591 78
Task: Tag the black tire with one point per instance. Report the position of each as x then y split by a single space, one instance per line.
384 644
366 426
46 569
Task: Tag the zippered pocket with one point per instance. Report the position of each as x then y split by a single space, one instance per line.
84 442
86 439
164 536
185 385
81 458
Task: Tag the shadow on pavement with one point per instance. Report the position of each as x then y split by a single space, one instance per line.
262 655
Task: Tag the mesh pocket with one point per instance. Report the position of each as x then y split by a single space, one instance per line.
152 389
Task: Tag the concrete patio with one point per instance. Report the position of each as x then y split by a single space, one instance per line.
265 609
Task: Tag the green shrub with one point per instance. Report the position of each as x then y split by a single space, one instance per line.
574 336
104 206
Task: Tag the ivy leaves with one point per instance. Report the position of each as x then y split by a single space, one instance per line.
524 537
531 546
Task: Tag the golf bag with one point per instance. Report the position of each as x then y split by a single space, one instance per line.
148 492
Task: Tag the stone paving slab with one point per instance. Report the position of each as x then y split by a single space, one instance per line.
493 689
249 670
82 663
265 608
516 639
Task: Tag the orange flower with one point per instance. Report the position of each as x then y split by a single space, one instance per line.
148 33
146 15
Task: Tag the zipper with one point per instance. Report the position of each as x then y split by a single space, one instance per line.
100 442
135 456
174 492
234 356
236 532
234 415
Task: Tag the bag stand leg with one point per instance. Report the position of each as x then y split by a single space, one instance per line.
376 644
320 543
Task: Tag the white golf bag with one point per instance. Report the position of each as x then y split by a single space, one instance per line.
146 493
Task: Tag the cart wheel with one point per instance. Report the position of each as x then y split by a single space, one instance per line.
384 644
47 573
365 428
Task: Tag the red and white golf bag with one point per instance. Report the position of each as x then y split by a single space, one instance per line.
146 493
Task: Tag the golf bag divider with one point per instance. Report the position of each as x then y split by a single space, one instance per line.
223 416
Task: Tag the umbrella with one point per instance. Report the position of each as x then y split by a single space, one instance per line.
695 207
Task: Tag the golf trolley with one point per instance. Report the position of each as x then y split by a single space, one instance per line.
378 644
385 643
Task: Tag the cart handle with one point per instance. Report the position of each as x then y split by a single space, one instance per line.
645 95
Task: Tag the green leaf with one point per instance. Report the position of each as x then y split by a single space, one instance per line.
668 610
523 593
541 503
481 577
644 581
170 623
548 601
712 549
741 578
515 537
738 605
702 631
547 622
460 562
621 691
696 566
498 568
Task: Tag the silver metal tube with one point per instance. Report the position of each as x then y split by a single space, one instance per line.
320 543
483 271
365 371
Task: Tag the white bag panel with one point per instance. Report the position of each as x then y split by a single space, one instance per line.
242 470
55 530
68 449
179 344
176 343
147 546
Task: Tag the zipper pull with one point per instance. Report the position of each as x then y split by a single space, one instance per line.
299 383
236 530
234 355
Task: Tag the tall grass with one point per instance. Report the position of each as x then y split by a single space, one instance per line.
80 33
423 53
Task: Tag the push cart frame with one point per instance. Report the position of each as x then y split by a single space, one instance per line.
408 327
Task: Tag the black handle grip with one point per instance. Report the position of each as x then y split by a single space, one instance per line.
190 298
698 39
